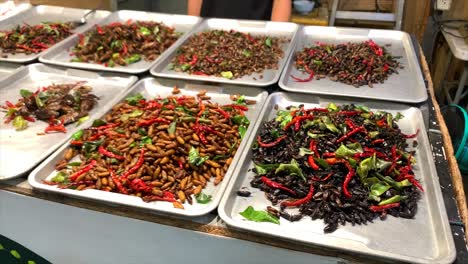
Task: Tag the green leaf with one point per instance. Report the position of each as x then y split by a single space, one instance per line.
355 146
263 169
142 131
145 31
116 44
379 188
185 67
1 247
332 107
98 122
370 181
75 60
240 120
365 166
314 135
82 120
394 199
227 74
398 116
242 130
25 93
39 102
362 108
194 157
115 55
322 163
132 59
60 177
246 53
259 216
305 151
78 134
268 42
19 123
344 151
133 144
203 198
11 112
156 30
406 156
329 124
100 48
389 120
284 117
135 113
134 99
111 63
317 62
145 140
392 182
172 128
74 164
373 134
241 100
291 168
328 49
91 146
15 254
31 262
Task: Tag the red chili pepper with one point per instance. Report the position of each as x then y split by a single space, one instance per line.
124 49
317 109
99 30
138 185
381 123
96 136
10 104
109 154
414 182
276 185
181 165
332 161
76 143
304 200
380 208
201 106
117 182
312 163
293 122
138 164
378 141
152 105
324 179
308 79
181 59
152 121
129 21
350 123
313 147
115 24
300 119
348 178
412 135
238 107
29 118
249 37
349 113
385 67
199 73
271 144
329 155
194 60
56 128
350 133
87 168
199 128
203 138
41 45
222 112
151 198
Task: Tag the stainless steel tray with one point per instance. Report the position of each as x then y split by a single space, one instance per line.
10 8
7 69
150 88
275 29
60 54
21 151
407 86
38 14
425 239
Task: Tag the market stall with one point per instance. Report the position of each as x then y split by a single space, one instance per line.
237 140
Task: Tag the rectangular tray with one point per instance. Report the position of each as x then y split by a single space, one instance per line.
7 68
425 239
38 14
23 150
275 29
407 86
10 8
150 88
60 54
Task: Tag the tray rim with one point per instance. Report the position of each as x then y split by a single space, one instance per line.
38 55
419 76
448 258
98 67
131 80
213 79
172 211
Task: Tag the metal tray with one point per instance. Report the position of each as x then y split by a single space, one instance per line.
425 239
275 29
7 69
38 14
60 54
149 88
10 8
21 151
407 86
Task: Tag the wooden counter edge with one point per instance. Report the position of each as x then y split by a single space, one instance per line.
457 181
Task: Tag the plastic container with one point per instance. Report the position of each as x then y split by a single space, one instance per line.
456 119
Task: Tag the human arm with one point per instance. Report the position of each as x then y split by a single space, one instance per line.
194 7
281 10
